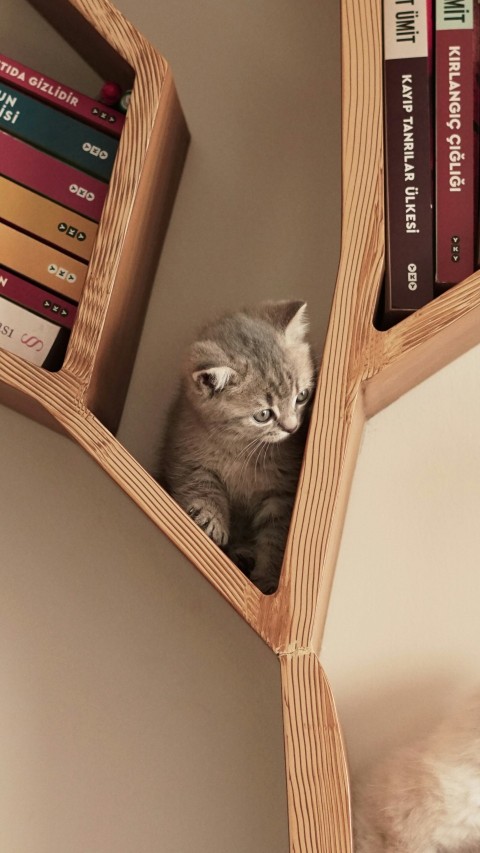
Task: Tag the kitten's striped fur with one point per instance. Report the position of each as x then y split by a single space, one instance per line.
235 437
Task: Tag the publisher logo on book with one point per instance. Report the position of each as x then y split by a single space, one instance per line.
412 277
455 248
82 192
95 150
32 341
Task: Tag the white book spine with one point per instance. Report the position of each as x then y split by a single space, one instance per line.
25 334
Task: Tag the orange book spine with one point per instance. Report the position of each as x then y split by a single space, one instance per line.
41 263
47 220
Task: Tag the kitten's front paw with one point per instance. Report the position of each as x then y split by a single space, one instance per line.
244 558
266 583
210 519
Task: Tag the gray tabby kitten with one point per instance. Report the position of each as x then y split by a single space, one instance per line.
425 798
235 437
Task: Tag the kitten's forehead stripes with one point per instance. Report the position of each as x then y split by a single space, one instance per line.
269 372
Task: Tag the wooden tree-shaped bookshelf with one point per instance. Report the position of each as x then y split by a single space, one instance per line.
147 169
363 370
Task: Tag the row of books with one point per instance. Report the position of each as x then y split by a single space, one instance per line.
431 52
57 150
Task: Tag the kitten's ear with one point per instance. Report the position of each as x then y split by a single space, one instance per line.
297 327
208 366
290 317
213 379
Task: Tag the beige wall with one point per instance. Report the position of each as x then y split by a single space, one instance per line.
137 710
403 630
258 212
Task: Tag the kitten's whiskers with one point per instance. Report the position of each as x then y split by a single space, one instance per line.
244 449
251 449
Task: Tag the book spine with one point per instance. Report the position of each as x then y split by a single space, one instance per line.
25 334
455 70
50 177
68 100
61 135
41 263
35 298
47 220
408 156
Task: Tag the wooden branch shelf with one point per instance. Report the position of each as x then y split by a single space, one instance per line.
362 371
145 176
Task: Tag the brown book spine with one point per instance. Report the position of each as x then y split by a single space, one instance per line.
47 220
409 276
41 263
60 96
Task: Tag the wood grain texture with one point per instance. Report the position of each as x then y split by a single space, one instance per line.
318 793
112 361
338 410
362 370
422 344
144 181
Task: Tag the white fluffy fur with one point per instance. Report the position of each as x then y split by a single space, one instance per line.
425 798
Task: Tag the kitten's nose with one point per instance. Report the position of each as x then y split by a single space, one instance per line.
289 424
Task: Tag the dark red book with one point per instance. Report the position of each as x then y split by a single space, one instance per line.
51 177
57 95
35 298
409 275
456 57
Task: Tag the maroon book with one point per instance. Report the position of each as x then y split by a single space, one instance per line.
57 95
51 177
35 298
409 274
456 52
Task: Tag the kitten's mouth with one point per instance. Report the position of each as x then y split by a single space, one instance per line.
276 439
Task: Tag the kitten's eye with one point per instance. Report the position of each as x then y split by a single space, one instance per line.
303 396
263 416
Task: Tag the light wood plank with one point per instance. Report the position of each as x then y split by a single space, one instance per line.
318 793
338 411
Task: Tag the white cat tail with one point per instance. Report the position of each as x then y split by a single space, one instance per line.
425 797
